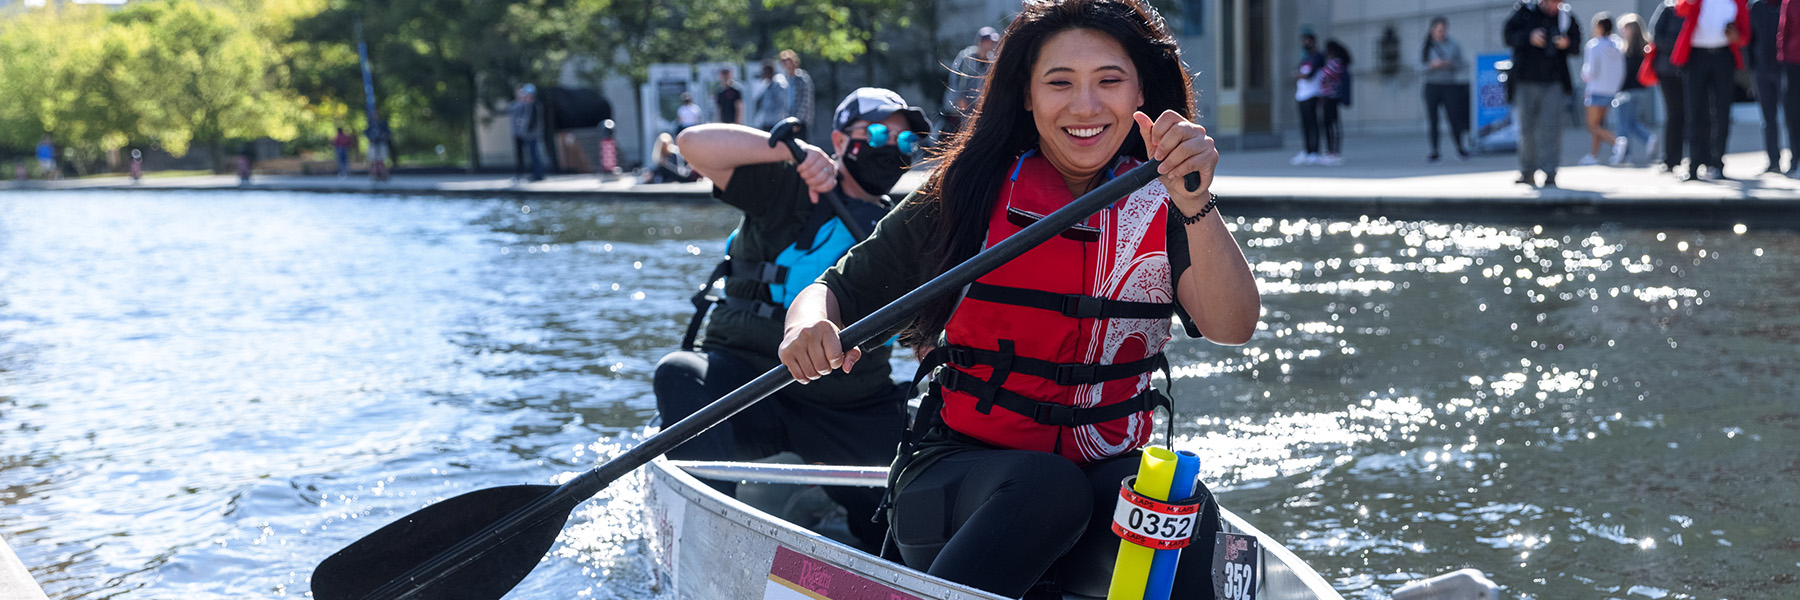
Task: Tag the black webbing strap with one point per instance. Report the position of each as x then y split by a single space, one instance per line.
760 309
703 301
1070 305
815 220
1050 413
757 271
1061 373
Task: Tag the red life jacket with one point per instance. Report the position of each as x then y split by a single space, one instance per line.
1063 339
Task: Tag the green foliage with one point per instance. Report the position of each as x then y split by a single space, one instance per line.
49 78
185 73
174 73
627 36
839 30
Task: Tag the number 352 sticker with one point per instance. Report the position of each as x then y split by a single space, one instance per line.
1236 570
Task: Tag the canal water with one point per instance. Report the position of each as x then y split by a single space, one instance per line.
202 395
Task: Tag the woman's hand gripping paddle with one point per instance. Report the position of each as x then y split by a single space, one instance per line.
783 133
479 545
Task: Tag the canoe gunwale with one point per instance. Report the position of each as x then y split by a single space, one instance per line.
1297 580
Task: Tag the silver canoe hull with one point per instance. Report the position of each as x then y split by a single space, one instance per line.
705 545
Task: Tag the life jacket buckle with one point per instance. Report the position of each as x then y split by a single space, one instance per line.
1061 415
765 310
1075 374
961 357
1081 307
770 273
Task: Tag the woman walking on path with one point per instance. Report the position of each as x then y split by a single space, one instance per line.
1603 70
1626 103
1016 469
1446 86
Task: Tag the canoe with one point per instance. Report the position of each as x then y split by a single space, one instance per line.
705 545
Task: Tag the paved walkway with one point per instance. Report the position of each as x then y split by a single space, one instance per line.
1383 175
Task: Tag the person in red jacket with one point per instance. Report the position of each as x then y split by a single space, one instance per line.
1708 48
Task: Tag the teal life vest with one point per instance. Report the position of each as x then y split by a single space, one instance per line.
818 246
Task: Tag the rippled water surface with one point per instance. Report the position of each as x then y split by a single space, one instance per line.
203 395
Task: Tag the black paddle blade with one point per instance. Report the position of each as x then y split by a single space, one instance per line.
471 571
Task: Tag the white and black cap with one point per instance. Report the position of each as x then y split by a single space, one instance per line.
874 104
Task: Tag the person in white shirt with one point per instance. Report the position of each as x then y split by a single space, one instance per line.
1603 70
688 114
1306 96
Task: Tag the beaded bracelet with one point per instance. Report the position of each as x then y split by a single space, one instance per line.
1211 203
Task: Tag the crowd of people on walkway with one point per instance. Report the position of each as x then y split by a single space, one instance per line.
784 91
1693 52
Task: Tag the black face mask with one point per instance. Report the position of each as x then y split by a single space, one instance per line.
875 169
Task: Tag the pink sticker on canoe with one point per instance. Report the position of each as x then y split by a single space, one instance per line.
796 576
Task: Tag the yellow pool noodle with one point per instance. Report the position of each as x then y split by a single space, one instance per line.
1131 571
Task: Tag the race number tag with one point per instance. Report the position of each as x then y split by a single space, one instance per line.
1153 523
1236 570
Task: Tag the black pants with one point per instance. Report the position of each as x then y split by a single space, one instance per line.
1330 126
1309 124
1454 100
858 432
1674 140
1710 82
1790 106
1768 98
1000 520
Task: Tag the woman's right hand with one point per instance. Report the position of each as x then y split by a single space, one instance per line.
811 349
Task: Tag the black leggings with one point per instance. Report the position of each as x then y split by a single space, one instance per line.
1331 126
1001 520
860 432
1453 98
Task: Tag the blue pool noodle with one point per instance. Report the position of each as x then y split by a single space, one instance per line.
1162 566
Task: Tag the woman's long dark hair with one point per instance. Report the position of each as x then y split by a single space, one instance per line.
1631 27
976 160
1425 51
1335 49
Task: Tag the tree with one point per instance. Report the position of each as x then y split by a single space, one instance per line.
205 76
176 73
54 81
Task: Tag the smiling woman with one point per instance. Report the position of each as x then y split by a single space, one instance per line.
1084 91
1026 434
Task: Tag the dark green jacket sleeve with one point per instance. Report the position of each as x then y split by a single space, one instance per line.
886 266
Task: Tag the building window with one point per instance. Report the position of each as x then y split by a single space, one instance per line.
1256 24
1193 17
1228 44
